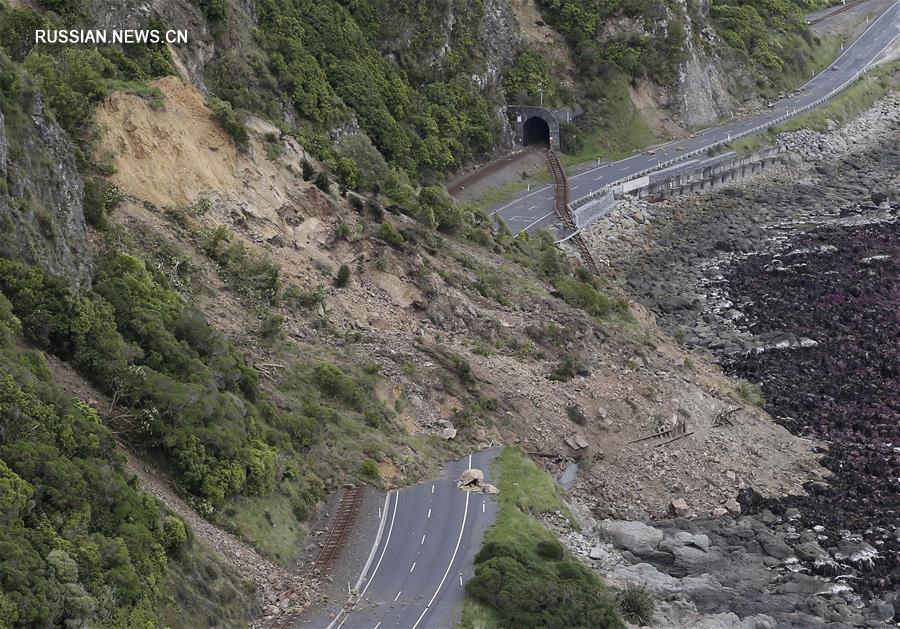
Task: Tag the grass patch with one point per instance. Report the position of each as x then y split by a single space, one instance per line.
523 574
269 523
477 615
750 392
495 196
204 591
753 143
137 88
846 105
524 486
621 131
841 109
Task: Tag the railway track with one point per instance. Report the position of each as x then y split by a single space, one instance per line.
348 508
342 523
561 205
845 7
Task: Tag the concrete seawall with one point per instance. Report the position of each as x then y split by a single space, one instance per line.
692 176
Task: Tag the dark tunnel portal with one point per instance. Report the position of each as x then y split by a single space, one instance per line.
536 131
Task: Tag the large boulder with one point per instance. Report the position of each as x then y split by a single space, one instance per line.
636 537
471 478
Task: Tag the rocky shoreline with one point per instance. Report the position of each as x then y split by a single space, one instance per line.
790 281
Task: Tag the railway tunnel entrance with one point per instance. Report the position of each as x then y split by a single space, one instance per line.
533 126
536 131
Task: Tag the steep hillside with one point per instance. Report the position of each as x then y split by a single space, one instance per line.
264 298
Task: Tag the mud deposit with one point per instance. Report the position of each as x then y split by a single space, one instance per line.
837 286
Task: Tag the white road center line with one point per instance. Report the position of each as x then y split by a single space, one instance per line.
423 540
378 625
429 513
432 489
449 565
398 595
413 567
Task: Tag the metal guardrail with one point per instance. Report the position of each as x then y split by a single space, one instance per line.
753 130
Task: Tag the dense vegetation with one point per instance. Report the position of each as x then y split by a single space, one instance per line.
78 543
597 55
179 385
771 33
523 575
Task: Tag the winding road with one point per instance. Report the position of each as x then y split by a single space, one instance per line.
422 554
533 210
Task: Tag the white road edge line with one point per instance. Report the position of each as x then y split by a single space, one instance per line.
449 565
514 201
537 221
344 611
362 575
383 514
386 542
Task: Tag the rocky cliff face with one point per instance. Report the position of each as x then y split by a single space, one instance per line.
41 213
708 86
502 38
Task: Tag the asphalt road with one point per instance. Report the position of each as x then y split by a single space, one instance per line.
415 572
533 210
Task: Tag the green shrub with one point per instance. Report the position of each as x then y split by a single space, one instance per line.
72 82
549 549
343 276
635 605
252 275
214 10
271 326
750 393
369 469
306 299
322 182
437 209
307 170
576 415
174 534
583 295
100 198
570 138
569 366
233 122
347 173
389 234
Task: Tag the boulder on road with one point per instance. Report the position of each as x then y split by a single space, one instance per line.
471 478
